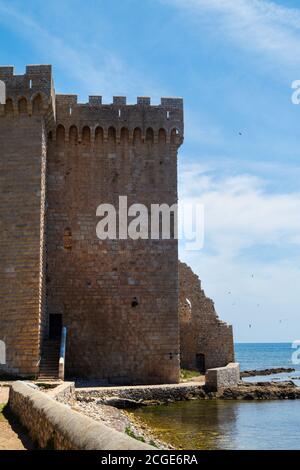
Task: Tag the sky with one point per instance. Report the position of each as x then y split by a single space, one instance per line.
233 62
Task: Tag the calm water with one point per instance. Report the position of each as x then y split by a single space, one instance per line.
221 424
266 356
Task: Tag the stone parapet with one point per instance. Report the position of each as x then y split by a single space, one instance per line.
222 377
56 426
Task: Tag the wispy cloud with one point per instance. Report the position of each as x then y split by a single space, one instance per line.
240 212
99 70
258 25
250 261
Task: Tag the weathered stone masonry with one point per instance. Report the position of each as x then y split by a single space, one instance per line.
23 127
59 160
118 299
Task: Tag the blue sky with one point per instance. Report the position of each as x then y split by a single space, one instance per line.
233 62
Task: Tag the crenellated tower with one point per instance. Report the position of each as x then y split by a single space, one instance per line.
25 116
60 160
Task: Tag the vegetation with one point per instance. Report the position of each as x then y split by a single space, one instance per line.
189 374
152 443
2 408
131 433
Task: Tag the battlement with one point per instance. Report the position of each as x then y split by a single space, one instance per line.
33 93
36 78
118 115
36 83
96 100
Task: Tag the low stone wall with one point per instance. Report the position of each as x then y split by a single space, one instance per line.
64 393
56 426
147 393
222 377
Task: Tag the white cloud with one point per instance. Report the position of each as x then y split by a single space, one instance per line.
257 25
242 216
239 212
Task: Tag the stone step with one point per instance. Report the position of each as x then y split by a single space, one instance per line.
50 357
49 360
48 377
49 366
49 363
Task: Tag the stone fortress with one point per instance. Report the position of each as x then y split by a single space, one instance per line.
133 315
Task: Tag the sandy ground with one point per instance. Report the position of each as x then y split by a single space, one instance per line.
12 434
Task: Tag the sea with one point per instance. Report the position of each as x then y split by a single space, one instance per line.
232 424
259 356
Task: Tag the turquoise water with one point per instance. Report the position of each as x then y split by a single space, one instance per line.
257 356
264 355
230 424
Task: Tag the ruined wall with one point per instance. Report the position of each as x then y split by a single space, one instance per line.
22 208
202 334
118 299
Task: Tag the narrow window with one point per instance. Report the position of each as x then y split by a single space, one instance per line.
67 239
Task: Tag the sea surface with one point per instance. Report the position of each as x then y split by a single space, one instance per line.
226 424
258 356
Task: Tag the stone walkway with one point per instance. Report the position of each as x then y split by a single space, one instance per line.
12 434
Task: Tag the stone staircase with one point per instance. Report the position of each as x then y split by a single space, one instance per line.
50 360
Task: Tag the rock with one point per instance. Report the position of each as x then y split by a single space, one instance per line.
254 373
261 391
123 402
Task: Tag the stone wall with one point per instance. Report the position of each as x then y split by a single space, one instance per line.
22 212
118 298
222 377
64 393
205 341
56 426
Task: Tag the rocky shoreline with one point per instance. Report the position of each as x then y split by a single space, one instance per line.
255 373
116 409
242 391
121 420
117 412
261 391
